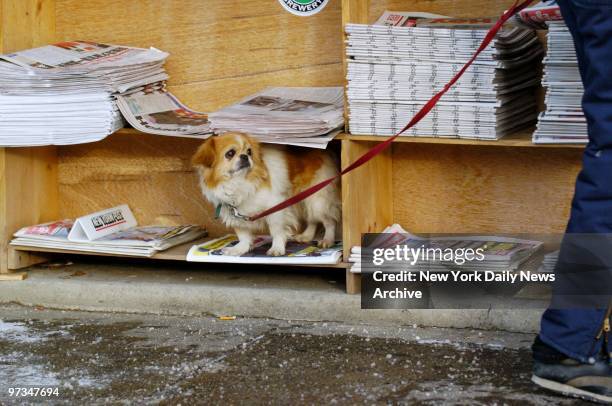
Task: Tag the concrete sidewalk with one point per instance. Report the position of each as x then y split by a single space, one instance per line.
265 292
108 358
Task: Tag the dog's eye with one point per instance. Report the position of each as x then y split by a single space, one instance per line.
230 154
249 152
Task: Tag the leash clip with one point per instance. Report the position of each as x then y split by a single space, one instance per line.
233 211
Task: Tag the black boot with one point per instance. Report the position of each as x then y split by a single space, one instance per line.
552 370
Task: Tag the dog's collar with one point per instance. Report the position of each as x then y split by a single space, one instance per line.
233 211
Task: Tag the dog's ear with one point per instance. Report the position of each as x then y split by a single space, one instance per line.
205 155
255 147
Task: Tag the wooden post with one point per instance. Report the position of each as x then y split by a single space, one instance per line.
367 200
28 176
353 11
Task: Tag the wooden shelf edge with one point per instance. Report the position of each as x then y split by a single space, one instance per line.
178 253
520 140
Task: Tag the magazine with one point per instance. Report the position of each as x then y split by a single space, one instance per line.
111 231
297 253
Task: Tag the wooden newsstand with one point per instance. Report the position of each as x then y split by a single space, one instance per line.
224 50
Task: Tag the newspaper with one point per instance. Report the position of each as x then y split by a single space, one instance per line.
500 253
133 240
563 121
297 253
71 92
538 15
154 110
549 262
393 70
121 67
404 19
286 115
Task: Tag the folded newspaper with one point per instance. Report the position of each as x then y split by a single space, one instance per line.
111 231
297 253
539 14
154 110
65 93
303 116
499 253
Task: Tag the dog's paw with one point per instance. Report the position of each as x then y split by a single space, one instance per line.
236 250
325 243
276 252
302 238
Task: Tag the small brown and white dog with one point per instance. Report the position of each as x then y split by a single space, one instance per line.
242 178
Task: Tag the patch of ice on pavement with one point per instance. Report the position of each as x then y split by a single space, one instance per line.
19 332
15 372
457 345
450 393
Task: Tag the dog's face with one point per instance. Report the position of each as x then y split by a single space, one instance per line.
229 156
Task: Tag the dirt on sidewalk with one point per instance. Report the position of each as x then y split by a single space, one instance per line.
95 358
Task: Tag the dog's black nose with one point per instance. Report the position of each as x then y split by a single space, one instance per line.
244 158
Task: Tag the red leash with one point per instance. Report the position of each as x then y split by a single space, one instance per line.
516 7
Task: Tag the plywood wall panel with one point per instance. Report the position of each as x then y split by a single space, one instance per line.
220 51
214 94
221 41
28 176
148 172
452 8
448 189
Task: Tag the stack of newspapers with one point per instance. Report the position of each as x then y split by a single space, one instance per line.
393 70
66 93
563 120
390 237
441 253
303 116
549 262
110 231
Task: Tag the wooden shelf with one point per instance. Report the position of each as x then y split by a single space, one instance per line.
178 253
521 139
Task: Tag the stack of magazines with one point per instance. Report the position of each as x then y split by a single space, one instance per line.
65 93
393 70
563 121
303 116
112 231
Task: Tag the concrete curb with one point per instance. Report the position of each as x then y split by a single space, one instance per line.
171 292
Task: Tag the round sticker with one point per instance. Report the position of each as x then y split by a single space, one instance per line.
303 8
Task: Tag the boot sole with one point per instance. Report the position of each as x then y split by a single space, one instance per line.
568 390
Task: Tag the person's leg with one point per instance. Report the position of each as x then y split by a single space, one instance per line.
573 331
568 356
